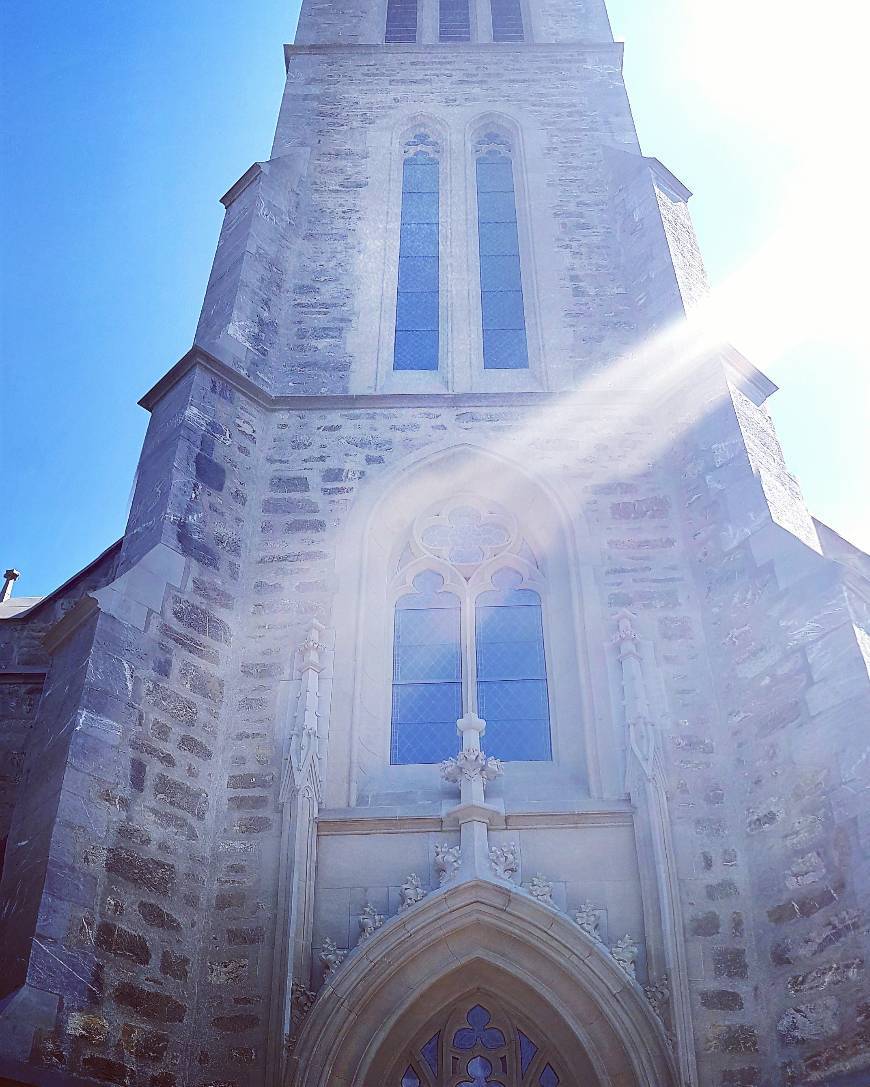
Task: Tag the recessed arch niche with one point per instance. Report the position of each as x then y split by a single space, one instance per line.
370 559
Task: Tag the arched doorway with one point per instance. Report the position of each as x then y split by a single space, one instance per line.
481 945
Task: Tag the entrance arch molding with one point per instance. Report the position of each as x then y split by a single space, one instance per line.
444 947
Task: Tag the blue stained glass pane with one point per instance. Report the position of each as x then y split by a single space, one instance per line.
511 670
501 273
478 1032
420 207
410 1078
401 21
494 175
429 1053
416 350
512 700
503 309
505 349
507 21
507 660
454 20
496 207
528 1049
417 310
419 240
420 175
426 702
548 1077
428 626
496 238
424 741
418 274
508 622
427 663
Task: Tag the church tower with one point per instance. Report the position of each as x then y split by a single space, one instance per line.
472 699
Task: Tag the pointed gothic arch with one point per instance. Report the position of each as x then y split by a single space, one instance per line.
471 940
364 629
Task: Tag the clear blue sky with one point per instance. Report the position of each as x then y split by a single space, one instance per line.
123 123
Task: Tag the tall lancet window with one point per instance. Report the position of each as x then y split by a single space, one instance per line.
507 21
417 302
454 21
401 21
501 282
469 637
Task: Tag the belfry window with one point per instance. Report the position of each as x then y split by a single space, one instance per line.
401 21
454 21
507 21
501 284
417 301
468 636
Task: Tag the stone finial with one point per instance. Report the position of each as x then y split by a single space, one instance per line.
331 955
586 917
411 892
11 576
369 921
447 859
505 860
541 889
625 952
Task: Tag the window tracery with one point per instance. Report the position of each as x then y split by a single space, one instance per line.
468 636
480 1046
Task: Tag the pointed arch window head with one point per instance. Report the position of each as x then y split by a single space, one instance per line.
401 21
469 641
502 306
418 296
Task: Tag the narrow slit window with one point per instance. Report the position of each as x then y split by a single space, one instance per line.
454 21
401 21
507 21
417 300
501 288
427 677
511 672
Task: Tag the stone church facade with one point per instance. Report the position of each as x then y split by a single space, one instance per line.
472 699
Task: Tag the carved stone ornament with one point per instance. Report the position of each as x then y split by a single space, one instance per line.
625 952
331 956
658 993
411 892
505 860
369 921
447 858
587 917
471 763
541 889
301 1001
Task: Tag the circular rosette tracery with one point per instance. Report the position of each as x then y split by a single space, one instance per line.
466 532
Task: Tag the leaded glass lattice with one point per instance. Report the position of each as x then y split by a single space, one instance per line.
454 21
501 288
511 672
507 21
427 687
416 344
401 21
